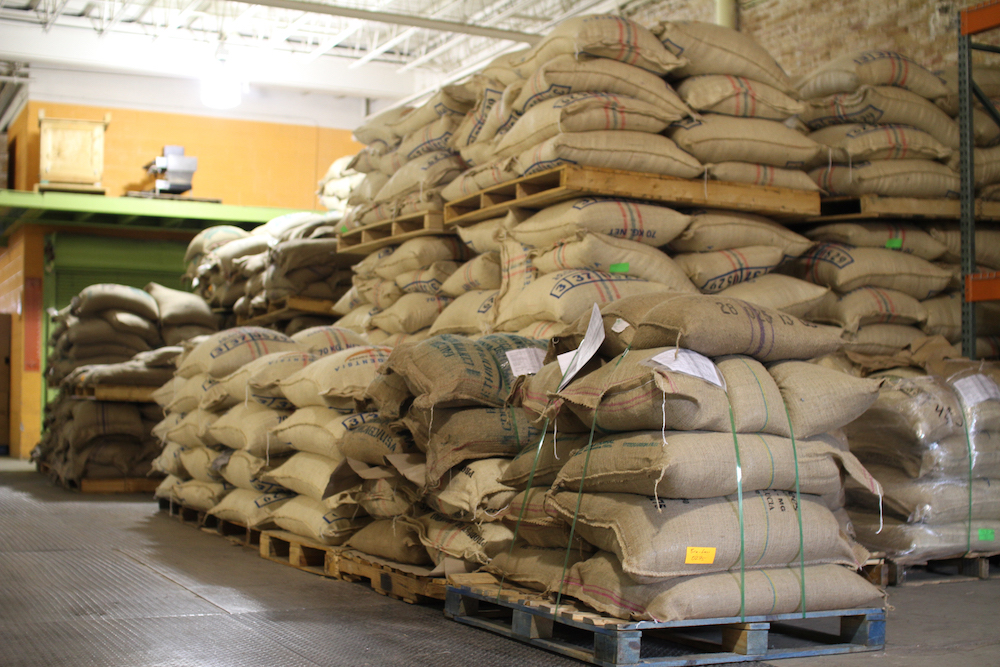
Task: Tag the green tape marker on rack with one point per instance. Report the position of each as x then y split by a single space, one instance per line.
894 244
987 535
343 228
621 267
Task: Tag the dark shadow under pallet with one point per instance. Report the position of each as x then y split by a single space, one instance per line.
591 637
233 531
886 572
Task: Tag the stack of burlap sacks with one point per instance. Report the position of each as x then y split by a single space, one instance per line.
931 440
336 185
292 255
112 335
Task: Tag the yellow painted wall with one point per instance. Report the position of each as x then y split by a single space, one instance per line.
245 163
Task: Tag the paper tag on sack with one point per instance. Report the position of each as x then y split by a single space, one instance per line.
689 362
525 361
620 325
570 363
977 388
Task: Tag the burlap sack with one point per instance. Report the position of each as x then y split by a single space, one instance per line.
318 429
784 293
312 519
169 460
427 280
243 470
909 543
93 419
601 36
450 100
411 313
472 492
197 461
466 315
188 395
875 234
652 537
304 473
248 427
987 244
566 295
546 460
324 340
452 371
435 136
891 178
670 464
97 331
882 339
737 96
869 305
197 495
870 68
465 541
209 239
423 173
392 340
713 326
388 497
177 308
420 252
107 296
224 352
537 394
881 105
258 381
372 440
124 322
471 127
534 525
544 329
601 583
650 224
717 138
986 161
819 399
165 489
358 319
845 268
854 142
761 174
479 273
249 508
377 291
369 187
480 237
611 149
722 230
169 422
714 49
929 501
582 112
348 302
392 541
335 380
537 568
713 272
944 317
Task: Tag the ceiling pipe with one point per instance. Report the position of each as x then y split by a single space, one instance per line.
402 19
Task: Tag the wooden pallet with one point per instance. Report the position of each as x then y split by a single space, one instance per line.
296 551
233 531
118 393
887 572
120 485
870 207
363 240
570 181
385 579
189 515
601 640
289 307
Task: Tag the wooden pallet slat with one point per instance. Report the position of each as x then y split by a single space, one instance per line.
233 531
887 572
870 207
387 580
296 551
363 240
115 393
620 642
120 485
288 308
570 181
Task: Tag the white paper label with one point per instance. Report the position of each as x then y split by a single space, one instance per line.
525 361
689 362
977 388
577 359
620 325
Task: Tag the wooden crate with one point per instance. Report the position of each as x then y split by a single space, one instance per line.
71 150
363 240
570 181
585 635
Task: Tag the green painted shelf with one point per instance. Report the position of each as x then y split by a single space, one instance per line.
68 209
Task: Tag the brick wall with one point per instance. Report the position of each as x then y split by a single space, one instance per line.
804 34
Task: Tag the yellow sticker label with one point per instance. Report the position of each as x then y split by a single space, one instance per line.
700 556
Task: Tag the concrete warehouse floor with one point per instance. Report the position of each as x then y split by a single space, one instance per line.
109 581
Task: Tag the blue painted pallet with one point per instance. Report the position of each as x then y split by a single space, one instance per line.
612 642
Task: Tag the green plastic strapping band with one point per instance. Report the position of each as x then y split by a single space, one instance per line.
579 494
739 502
968 449
798 512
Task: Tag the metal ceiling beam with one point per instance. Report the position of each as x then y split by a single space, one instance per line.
56 14
402 19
